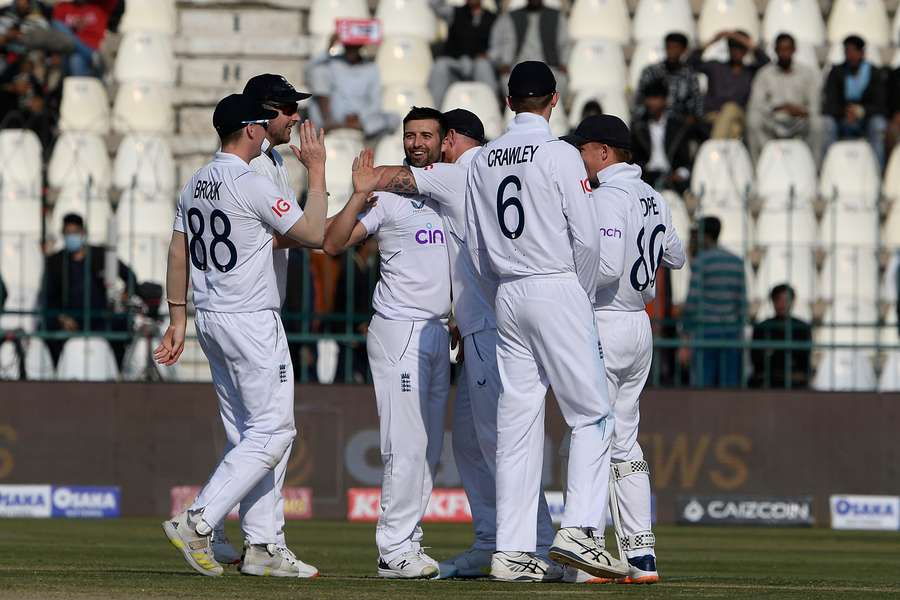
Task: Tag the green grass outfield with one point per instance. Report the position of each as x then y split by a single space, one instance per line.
131 558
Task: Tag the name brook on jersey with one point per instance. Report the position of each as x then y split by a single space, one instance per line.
502 157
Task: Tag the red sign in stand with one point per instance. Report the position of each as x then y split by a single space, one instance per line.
445 506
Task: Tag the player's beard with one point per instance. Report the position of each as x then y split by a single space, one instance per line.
432 155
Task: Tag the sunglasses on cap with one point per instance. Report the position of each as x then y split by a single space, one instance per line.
263 122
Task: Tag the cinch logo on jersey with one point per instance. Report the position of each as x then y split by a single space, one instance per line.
19 501
430 235
282 207
503 157
745 510
445 506
208 190
86 502
880 513
611 232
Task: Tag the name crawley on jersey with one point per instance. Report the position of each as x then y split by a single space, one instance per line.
517 155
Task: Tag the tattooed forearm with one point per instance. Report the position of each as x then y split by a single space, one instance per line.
399 180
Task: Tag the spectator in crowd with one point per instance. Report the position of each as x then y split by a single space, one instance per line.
715 310
855 100
531 33
774 367
660 141
75 293
85 23
347 93
465 52
685 98
784 102
729 83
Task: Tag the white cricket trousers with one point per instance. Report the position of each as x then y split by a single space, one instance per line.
475 441
548 337
254 381
628 348
410 363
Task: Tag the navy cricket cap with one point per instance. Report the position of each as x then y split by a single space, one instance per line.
465 122
603 129
531 78
234 111
274 89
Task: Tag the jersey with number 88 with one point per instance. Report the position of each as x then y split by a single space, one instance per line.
228 213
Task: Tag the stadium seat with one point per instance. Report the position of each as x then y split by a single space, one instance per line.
891 232
22 268
596 63
889 283
786 175
87 359
850 174
407 17
723 174
80 160
653 19
611 100
10 363
844 370
647 52
85 106
605 19
342 147
324 13
849 321
145 57
95 211
146 254
889 381
848 227
481 100
38 362
865 18
800 18
149 15
874 55
850 273
404 59
143 108
140 214
400 97
726 15
389 150
794 265
781 225
681 221
890 187
137 359
144 162
20 155
21 217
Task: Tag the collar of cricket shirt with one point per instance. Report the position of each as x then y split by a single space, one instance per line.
618 170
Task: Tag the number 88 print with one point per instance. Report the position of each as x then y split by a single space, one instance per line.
197 247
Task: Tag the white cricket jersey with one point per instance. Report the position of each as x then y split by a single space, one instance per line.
529 207
638 235
277 174
228 212
473 296
414 283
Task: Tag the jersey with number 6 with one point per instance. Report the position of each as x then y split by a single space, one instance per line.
638 235
529 207
228 212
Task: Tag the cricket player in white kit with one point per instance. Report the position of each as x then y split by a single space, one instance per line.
532 223
228 221
408 343
478 388
636 226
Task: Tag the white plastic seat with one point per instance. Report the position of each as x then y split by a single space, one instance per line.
890 236
723 174
850 273
145 57
890 373
850 174
342 147
85 106
149 15
786 175
681 221
865 18
143 108
80 160
780 225
646 53
144 162
146 255
10 363
727 15
480 99
844 370
21 217
407 17
20 155
890 187
848 228
140 214
87 359
38 361
399 98
836 55
324 13
389 150
138 357
96 212
404 59
800 18
849 321
596 63
611 100
606 19
22 268
654 19
794 265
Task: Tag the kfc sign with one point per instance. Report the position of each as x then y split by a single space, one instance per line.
445 506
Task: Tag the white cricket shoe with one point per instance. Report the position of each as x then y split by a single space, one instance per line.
414 564
577 547
195 547
641 569
270 560
225 553
469 564
524 567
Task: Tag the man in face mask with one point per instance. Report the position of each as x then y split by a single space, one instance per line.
685 99
74 290
784 102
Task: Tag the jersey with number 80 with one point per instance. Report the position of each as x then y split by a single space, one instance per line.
228 212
